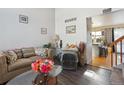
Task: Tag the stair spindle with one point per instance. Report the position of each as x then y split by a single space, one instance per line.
121 51
111 57
116 54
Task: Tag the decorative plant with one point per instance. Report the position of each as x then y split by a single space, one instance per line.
47 45
104 41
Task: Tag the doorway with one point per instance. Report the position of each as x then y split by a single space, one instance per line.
100 27
100 42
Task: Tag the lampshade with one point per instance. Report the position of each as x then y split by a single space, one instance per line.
56 38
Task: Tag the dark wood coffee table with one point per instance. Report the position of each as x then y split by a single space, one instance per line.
28 78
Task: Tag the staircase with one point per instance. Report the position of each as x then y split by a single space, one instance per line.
114 55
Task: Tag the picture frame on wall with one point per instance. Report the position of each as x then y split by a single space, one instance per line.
71 29
43 30
23 19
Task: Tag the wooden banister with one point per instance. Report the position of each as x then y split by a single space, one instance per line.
117 41
114 44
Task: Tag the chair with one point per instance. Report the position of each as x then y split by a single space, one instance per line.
69 60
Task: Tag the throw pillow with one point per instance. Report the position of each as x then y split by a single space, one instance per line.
28 52
43 52
18 53
38 51
11 57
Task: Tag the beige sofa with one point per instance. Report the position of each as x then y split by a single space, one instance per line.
23 63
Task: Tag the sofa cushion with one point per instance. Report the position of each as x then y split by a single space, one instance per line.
18 53
41 51
20 63
28 52
34 58
11 56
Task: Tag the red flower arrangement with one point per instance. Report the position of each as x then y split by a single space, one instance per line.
42 65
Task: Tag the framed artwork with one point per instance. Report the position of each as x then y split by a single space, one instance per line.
71 29
43 30
23 19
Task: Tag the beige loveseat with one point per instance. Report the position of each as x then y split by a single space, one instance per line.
25 57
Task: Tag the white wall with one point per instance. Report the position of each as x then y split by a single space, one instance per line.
17 35
62 14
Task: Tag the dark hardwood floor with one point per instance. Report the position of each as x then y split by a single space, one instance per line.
89 75
86 75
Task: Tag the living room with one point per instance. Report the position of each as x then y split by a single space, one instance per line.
29 36
48 44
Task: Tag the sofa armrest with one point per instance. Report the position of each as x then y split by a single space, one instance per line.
3 64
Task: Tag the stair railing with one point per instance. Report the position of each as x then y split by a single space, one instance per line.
110 50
